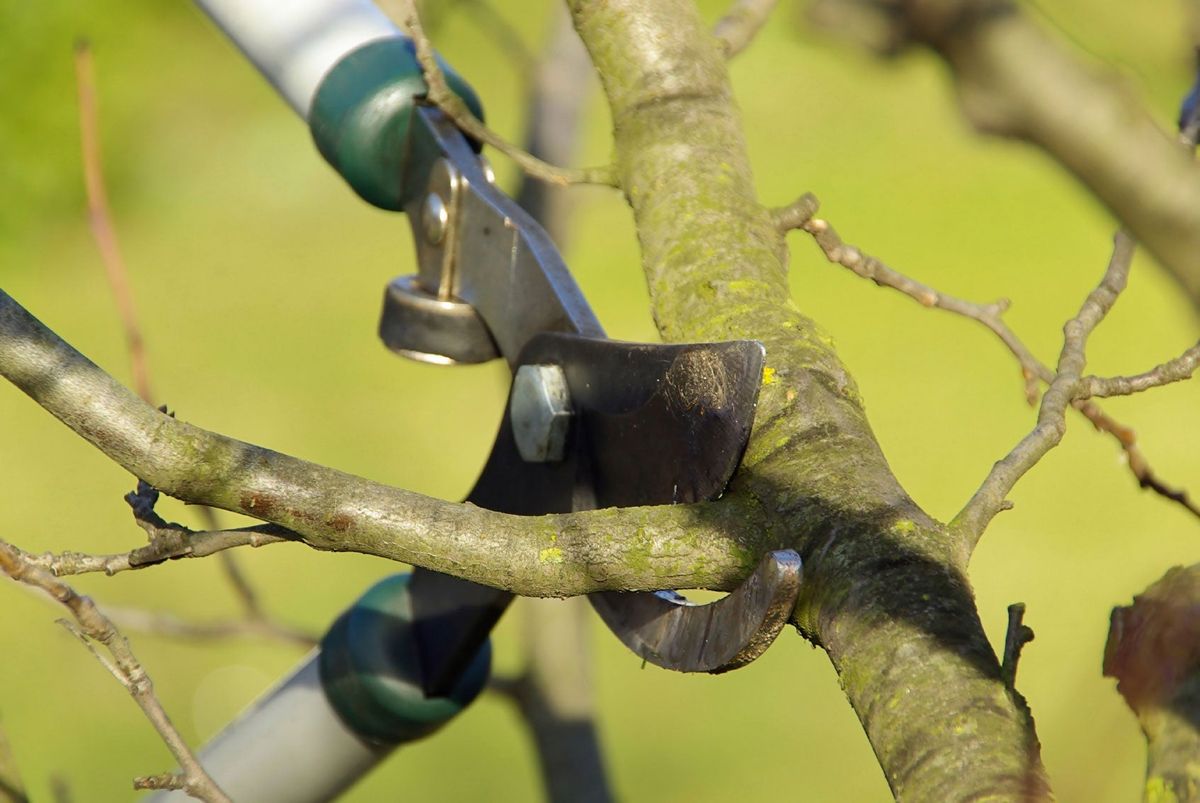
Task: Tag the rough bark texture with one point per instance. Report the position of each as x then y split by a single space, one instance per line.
886 593
564 555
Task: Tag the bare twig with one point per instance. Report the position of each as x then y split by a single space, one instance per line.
1176 370
1016 637
1051 423
95 629
170 542
796 214
800 215
741 23
160 623
105 234
164 781
1138 464
100 219
441 95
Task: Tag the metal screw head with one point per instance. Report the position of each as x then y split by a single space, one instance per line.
541 413
434 218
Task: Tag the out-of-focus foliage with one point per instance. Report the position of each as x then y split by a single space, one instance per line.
259 278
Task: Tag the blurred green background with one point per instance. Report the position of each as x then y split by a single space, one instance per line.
259 276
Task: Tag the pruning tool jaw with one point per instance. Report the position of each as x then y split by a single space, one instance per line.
591 422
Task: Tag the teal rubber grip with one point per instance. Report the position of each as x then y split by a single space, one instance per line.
371 671
361 114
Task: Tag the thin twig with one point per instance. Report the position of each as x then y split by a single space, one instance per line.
1051 423
441 95
800 215
1137 462
96 629
166 781
1176 370
741 23
100 219
1015 638
160 623
173 544
105 233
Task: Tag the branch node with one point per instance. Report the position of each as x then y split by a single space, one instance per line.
797 214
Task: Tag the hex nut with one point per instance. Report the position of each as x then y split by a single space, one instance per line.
540 412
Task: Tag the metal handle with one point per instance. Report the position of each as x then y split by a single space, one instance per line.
345 708
345 68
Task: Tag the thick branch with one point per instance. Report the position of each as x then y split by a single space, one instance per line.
703 545
1015 81
885 592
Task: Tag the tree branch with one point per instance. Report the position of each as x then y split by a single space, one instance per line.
441 95
161 623
1016 82
741 23
713 259
1176 370
1016 636
691 546
92 628
801 215
992 495
100 219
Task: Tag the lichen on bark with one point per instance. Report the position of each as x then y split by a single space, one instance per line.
885 590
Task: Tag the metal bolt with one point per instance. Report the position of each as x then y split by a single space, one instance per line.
434 218
540 413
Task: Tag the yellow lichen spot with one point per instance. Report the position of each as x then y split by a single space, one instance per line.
550 555
1158 791
904 527
769 376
